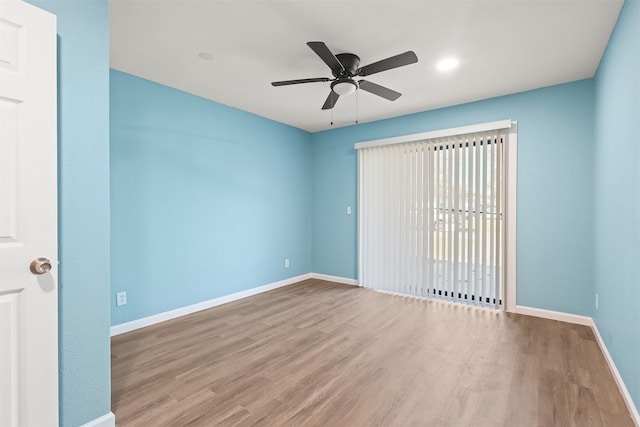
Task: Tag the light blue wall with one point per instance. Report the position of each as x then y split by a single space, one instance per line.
206 200
554 189
83 208
261 203
617 196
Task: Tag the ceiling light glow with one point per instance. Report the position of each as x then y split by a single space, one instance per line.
448 64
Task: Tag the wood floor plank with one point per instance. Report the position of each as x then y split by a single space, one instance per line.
318 353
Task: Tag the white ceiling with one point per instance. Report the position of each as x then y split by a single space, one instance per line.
503 47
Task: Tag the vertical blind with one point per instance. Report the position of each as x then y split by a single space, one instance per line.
431 221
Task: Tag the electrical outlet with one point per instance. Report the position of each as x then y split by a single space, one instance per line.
286 263
121 298
348 210
597 302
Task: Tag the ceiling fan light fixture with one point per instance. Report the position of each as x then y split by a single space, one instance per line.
344 87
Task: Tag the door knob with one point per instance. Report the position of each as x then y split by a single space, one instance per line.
40 266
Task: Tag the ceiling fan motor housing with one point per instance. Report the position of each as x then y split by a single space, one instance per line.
350 62
344 84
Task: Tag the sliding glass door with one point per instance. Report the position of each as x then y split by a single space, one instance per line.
432 217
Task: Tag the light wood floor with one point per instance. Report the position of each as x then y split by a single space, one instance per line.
323 354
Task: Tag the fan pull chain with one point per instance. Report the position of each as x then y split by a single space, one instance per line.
357 97
331 116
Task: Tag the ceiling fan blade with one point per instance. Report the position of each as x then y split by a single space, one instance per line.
331 101
295 82
325 54
382 91
400 60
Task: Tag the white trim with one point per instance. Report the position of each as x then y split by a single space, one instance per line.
182 311
511 171
633 411
360 247
107 420
462 130
554 315
336 279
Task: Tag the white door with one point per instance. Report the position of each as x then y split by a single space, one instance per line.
28 217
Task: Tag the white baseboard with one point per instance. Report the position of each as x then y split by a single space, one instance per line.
588 321
616 375
182 311
337 279
554 315
107 420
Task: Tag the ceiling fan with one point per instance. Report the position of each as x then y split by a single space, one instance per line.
345 66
